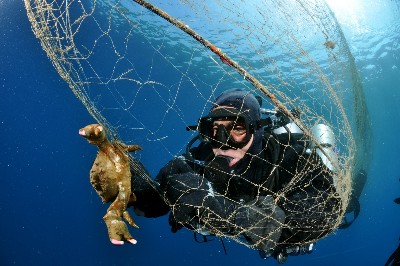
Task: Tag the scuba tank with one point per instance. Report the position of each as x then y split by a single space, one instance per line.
326 138
280 125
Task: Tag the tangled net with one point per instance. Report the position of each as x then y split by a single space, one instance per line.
147 72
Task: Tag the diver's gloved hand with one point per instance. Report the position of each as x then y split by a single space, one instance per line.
117 229
218 173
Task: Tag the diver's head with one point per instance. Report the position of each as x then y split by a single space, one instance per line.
232 122
243 101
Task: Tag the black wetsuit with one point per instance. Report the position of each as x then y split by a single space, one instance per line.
292 187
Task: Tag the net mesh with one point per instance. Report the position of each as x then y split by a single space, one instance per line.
146 76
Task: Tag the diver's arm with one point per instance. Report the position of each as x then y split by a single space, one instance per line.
149 202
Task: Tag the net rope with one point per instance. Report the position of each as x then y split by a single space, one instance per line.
147 71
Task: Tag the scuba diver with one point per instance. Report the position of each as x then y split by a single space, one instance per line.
253 178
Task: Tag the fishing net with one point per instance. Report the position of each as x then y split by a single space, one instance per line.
148 72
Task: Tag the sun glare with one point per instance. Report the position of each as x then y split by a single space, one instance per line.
348 12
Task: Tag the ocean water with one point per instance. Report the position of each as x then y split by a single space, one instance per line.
50 215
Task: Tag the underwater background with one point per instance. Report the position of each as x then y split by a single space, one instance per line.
50 215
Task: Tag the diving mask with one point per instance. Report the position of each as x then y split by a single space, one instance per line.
225 128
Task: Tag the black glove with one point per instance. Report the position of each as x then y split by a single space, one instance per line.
217 172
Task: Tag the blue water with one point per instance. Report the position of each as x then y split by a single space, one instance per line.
50 215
